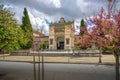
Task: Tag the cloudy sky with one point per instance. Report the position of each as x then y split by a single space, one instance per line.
41 11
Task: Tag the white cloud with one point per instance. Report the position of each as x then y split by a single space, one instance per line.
77 26
54 9
38 22
37 18
56 3
15 9
82 5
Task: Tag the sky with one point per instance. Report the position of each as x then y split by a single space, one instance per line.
43 12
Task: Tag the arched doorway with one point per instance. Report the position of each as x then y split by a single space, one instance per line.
60 43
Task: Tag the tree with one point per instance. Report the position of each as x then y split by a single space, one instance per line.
110 32
8 31
80 39
22 40
27 29
116 41
83 29
43 46
105 34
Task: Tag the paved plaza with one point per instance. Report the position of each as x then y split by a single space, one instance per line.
58 68
106 59
55 71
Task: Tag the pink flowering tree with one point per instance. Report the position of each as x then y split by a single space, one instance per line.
116 41
80 38
105 33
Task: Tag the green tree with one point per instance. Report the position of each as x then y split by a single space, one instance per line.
43 46
22 40
27 29
82 27
109 0
8 31
82 23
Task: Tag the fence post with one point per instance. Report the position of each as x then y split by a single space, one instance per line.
42 67
68 56
38 66
34 68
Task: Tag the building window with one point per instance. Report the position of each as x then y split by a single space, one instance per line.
67 41
51 41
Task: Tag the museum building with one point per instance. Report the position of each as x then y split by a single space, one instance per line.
61 35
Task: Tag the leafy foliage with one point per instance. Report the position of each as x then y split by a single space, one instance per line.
82 23
43 46
8 31
82 27
79 42
27 30
105 33
109 0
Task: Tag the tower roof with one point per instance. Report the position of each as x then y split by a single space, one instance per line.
62 20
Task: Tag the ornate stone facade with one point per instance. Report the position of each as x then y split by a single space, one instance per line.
61 35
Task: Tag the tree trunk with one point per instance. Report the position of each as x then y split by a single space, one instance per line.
100 55
117 66
116 53
3 54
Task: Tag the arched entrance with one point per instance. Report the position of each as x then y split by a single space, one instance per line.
60 43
